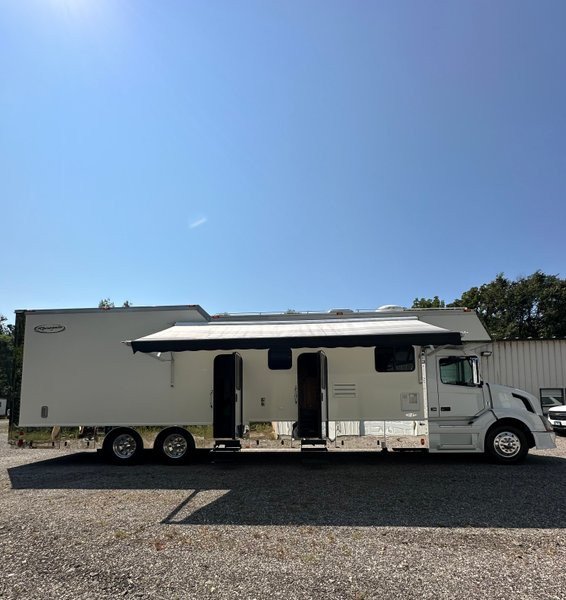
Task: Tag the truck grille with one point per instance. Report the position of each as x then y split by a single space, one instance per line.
557 415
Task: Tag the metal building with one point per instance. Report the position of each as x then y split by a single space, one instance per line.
537 366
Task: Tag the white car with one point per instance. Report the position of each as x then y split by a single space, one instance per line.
557 417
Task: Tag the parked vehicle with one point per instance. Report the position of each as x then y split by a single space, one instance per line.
557 418
385 379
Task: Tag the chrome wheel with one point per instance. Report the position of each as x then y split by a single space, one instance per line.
507 444
175 446
124 446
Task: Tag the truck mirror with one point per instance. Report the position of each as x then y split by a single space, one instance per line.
476 370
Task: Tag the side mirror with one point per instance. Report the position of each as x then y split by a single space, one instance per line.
476 371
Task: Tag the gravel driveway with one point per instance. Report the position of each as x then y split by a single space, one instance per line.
272 525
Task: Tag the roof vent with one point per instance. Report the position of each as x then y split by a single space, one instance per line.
340 311
390 308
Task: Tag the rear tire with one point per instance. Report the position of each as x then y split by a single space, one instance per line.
174 446
506 444
123 446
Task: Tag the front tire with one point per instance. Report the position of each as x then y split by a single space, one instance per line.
174 446
123 446
506 444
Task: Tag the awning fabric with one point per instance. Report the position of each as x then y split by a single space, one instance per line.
295 334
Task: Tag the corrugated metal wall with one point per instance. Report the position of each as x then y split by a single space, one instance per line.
530 365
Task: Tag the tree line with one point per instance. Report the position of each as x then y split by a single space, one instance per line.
527 307
6 351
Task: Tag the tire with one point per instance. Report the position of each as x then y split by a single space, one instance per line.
506 444
123 446
174 446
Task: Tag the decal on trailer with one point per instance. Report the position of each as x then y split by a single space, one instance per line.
49 328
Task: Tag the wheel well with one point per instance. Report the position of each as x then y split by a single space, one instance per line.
515 423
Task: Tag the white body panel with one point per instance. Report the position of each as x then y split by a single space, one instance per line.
85 375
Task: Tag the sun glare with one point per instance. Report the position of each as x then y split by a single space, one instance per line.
77 10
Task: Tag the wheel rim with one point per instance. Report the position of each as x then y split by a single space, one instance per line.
175 445
124 446
507 444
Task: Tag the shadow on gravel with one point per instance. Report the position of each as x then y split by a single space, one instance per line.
346 489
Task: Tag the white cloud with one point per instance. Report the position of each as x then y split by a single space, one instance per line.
198 223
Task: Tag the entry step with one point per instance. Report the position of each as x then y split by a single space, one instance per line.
313 445
227 446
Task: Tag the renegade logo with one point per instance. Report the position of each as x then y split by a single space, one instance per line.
49 328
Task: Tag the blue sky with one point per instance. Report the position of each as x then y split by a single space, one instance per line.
257 155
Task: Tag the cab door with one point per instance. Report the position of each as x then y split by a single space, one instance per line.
455 390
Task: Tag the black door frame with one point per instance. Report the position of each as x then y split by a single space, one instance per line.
227 412
312 391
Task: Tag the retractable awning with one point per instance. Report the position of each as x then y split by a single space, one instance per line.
295 334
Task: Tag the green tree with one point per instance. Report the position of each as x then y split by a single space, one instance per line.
532 306
6 352
435 302
106 303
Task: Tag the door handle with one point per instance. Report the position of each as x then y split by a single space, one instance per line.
445 408
433 409
211 395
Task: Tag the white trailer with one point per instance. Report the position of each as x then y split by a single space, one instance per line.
387 378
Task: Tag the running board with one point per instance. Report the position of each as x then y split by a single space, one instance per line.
315 445
227 446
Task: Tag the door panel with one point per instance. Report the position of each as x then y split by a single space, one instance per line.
324 394
227 396
453 395
312 384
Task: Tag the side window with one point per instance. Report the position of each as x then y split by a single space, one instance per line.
458 370
394 359
279 359
551 397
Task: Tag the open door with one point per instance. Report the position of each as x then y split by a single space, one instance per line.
312 384
227 396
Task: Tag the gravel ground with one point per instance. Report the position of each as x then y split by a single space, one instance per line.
282 526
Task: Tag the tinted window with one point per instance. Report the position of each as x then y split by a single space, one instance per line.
279 358
551 397
457 370
394 359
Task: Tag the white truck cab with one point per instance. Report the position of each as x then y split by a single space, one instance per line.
467 414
